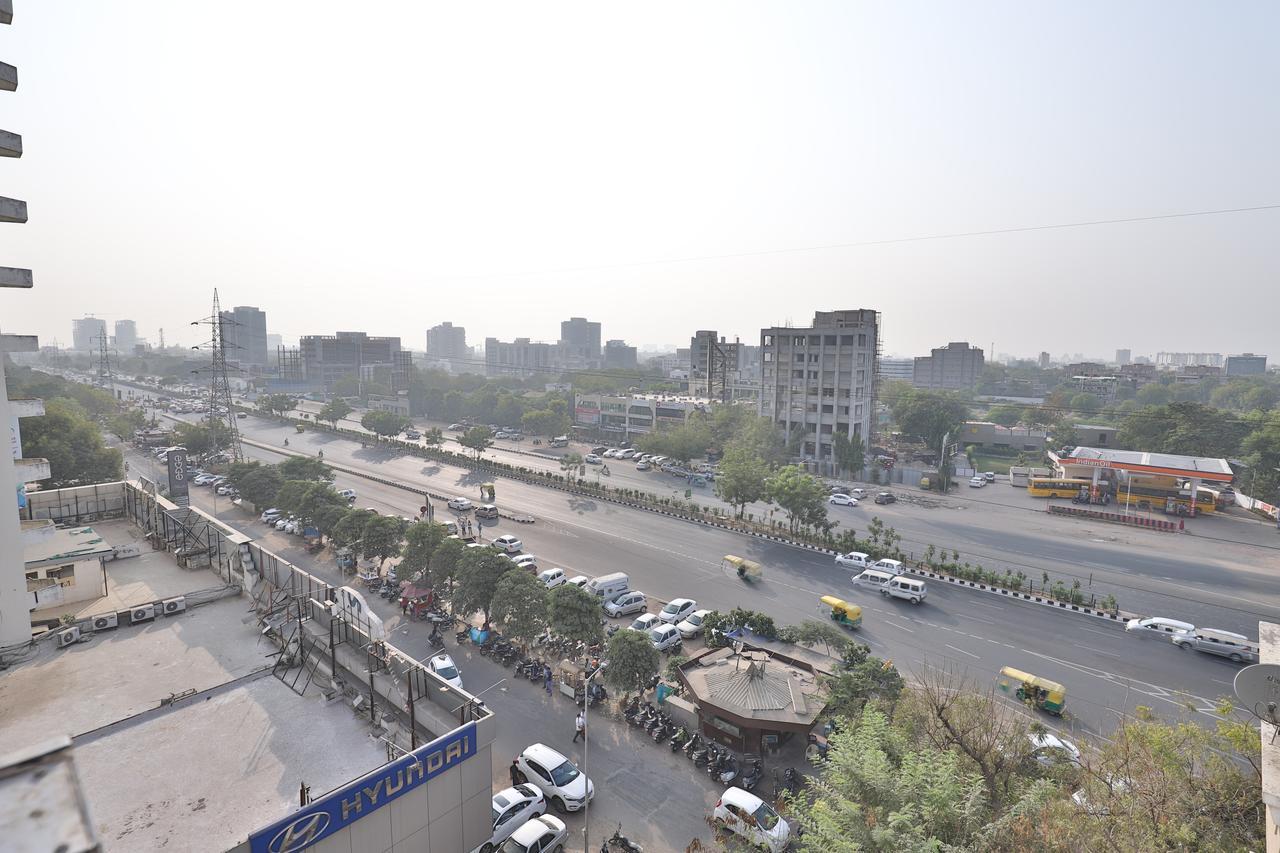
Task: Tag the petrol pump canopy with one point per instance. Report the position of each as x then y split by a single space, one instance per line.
1138 462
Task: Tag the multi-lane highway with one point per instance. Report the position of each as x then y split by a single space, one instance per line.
1108 672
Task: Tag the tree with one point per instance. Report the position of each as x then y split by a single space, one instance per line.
382 537
479 570
544 422
203 437
927 414
1005 415
73 445
277 404
125 423
257 483
575 613
477 439
762 438
632 661
1190 429
1261 449
520 606
802 495
421 541
508 409
455 403
862 678
570 464
334 411
444 566
684 442
743 477
433 437
849 453
305 468
384 423
345 386
349 528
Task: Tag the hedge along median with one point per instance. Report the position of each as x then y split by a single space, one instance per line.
1048 597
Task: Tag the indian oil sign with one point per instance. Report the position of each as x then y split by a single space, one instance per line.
338 809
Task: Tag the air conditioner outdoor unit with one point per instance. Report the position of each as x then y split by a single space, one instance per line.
174 605
67 637
104 622
142 614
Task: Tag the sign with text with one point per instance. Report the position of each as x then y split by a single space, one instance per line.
338 809
179 488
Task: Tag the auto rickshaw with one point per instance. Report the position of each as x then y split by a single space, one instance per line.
487 492
1039 692
749 570
299 428
848 615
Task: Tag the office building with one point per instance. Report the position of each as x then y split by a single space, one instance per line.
447 341
634 414
1123 357
579 347
244 331
1173 360
619 356
327 358
521 357
1247 364
1044 361
953 367
897 369
126 336
820 380
87 334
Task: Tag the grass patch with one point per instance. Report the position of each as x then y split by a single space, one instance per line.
998 464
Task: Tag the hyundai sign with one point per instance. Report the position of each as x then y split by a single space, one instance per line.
341 808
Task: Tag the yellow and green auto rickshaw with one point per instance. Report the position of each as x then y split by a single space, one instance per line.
749 570
488 492
1039 692
848 615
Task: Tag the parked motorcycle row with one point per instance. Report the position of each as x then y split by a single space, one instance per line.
715 760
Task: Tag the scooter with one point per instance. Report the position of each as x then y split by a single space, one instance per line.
726 769
462 635
661 732
751 777
436 641
678 739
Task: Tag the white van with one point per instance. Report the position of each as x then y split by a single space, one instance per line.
610 586
1158 625
893 567
873 578
1215 642
911 589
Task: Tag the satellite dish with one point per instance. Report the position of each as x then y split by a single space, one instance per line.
1258 689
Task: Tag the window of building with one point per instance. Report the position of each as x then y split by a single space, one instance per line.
828 392
857 410
862 358
862 340
815 340
33 575
813 374
811 407
65 575
862 376
842 428
768 356
808 448
860 391
857 429
798 340
827 410
767 341
846 340
797 374
844 410
813 358
826 429
829 340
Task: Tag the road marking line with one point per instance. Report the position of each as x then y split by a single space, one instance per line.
1099 651
992 606
1096 631
896 625
962 651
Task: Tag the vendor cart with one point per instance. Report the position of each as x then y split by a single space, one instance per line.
570 679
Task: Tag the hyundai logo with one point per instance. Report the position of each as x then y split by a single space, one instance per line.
302 832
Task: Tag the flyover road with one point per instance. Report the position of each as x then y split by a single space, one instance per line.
1209 582
1107 672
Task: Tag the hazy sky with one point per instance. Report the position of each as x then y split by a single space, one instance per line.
385 166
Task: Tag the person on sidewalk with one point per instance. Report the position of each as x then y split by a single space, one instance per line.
547 677
515 773
580 724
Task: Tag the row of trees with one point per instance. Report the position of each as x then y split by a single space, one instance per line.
69 435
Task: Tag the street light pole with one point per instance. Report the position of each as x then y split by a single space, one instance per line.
586 741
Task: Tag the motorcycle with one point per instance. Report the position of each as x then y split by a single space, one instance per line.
459 636
661 732
436 641
619 842
726 769
678 739
751 777
790 783
595 694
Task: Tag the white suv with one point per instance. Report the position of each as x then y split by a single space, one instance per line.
556 777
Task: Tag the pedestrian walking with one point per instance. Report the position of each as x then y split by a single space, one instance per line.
580 726
404 604
515 773
547 676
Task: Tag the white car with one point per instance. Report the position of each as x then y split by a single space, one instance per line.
854 560
841 499
443 666
642 466
552 578
508 543
893 567
610 454
858 493
626 454
692 624
645 622
665 637
512 808
349 494
460 504
524 561
629 602
592 459
544 834
1159 625
977 482
989 476
579 581
1050 750
677 610
556 777
743 813
282 523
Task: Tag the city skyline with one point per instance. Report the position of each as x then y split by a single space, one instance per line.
740 195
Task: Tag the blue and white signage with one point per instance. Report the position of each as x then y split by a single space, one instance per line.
343 807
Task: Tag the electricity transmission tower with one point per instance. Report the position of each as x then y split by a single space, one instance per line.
220 410
718 367
105 374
